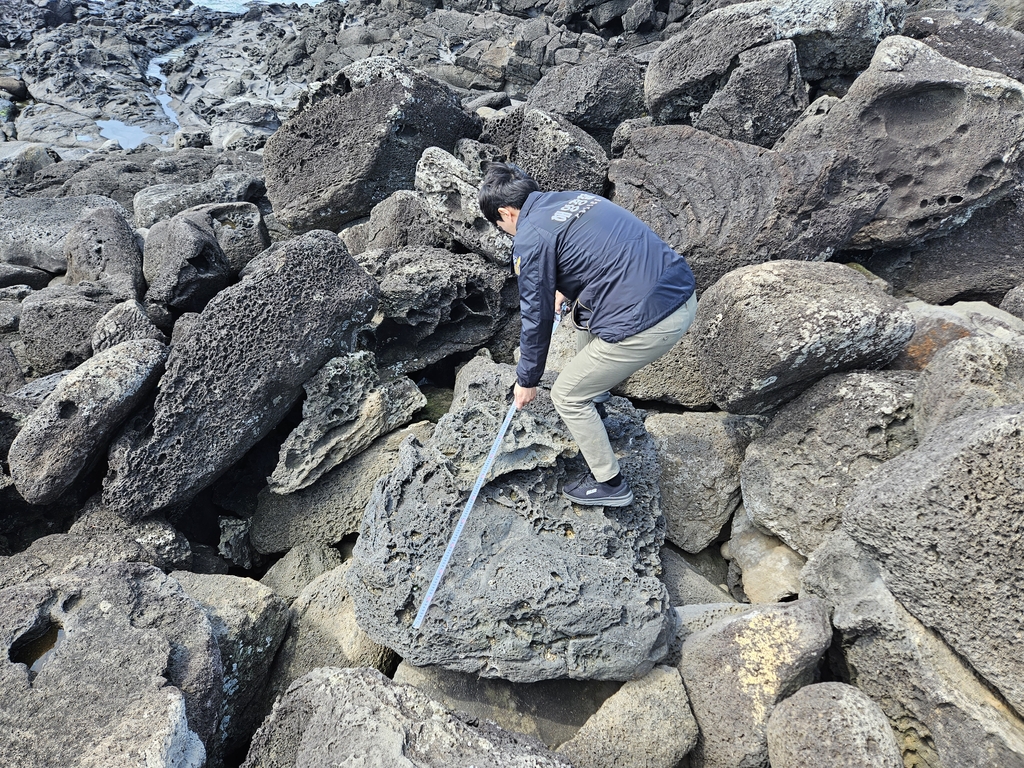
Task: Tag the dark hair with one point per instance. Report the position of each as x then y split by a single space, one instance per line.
505 185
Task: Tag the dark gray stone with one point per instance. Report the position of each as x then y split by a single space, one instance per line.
831 719
299 304
57 325
799 474
686 585
1013 302
332 716
765 333
162 201
127 321
969 40
14 274
672 378
136 676
558 155
11 376
239 229
162 545
300 566
391 113
402 219
724 204
940 520
945 138
762 98
101 248
739 669
512 603
65 434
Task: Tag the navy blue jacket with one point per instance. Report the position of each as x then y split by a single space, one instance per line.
621 277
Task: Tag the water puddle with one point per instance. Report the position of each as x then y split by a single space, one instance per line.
128 136
35 652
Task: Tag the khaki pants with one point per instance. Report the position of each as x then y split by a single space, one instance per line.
597 367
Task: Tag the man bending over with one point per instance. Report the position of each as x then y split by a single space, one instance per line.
632 298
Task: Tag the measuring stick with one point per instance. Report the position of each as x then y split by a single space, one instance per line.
450 549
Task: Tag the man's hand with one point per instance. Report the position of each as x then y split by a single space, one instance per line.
524 396
560 299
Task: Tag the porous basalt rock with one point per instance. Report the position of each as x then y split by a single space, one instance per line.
162 201
558 155
940 520
765 333
511 603
944 137
672 378
300 566
762 567
101 248
57 325
390 113
68 430
969 40
799 474
725 204
239 228
127 321
239 371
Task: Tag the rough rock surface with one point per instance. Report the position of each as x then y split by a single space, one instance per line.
595 95
101 248
940 520
436 304
333 507
302 564
647 724
831 38
66 433
512 601
558 155
333 716
357 141
672 378
699 457
799 474
550 710
763 97
249 622
162 201
687 585
239 229
57 325
969 375
347 407
127 321
969 40
944 137
831 719
1013 302
323 633
762 568
739 669
725 204
162 544
136 676
767 332
300 303
943 714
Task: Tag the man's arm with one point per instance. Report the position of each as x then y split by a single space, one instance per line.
537 272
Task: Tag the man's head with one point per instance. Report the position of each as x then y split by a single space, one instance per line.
503 193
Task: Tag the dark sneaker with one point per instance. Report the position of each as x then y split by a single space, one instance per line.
588 491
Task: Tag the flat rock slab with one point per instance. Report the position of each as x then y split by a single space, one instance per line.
239 371
336 717
537 589
767 332
74 423
942 520
725 204
944 137
135 674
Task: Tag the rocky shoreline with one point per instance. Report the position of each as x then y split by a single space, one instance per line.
256 338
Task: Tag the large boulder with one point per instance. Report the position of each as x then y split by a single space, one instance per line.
135 674
536 590
595 95
699 456
647 723
162 201
909 108
239 370
239 229
969 40
348 405
436 304
763 97
101 248
126 321
831 38
332 508
765 333
725 204
942 713
57 325
799 474
32 230
939 520
337 716
831 719
558 155
358 139
971 374
741 667
68 431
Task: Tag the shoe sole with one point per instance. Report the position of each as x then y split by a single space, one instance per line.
620 501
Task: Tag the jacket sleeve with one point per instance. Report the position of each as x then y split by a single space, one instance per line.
537 271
